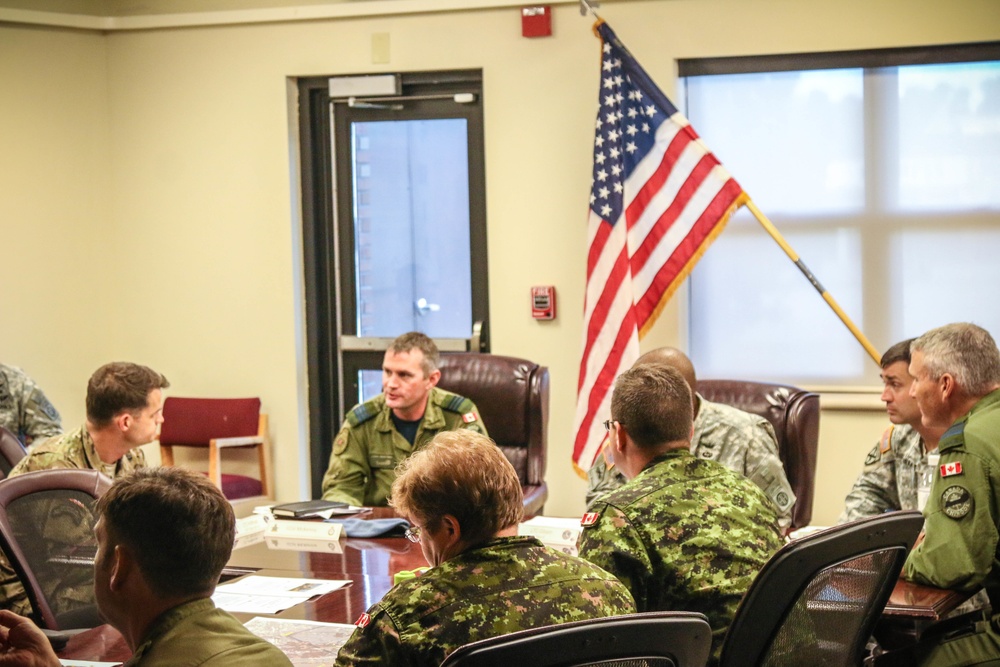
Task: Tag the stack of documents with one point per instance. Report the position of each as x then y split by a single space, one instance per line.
561 534
257 594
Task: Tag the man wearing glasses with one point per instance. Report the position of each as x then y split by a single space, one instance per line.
684 533
463 499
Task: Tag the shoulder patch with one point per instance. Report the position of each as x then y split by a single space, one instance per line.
589 519
956 502
885 444
874 456
950 469
340 442
363 620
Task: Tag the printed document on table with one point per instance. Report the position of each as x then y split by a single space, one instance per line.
306 643
268 595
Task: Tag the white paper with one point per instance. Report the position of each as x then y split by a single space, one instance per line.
269 595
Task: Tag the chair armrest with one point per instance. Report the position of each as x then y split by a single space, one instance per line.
238 442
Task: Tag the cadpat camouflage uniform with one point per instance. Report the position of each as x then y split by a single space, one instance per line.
890 477
687 534
741 441
368 448
506 585
64 526
24 409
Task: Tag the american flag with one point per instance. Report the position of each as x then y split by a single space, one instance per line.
659 197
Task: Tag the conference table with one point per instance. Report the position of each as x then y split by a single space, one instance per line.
370 564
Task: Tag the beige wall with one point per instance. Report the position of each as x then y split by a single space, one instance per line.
149 189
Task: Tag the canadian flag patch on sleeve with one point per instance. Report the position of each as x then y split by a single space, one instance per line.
949 469
589 519
469 417
363 620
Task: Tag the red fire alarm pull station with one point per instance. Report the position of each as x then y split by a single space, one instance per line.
543 302
536 21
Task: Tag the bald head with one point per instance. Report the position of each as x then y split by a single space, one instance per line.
671 356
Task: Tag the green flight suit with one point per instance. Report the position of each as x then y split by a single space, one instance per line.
198 634
368 448
961 546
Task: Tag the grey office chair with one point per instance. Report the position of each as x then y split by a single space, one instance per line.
654 639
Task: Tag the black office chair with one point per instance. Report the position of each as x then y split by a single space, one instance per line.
11 451
654 639
816 601
46 532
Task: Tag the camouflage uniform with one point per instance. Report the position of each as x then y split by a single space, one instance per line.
505 585
738 440
890 477
24 409
72 586
686 534
198 633
960 547
368 447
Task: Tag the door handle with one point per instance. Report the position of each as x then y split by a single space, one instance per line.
423 307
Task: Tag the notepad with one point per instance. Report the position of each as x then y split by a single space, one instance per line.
306 508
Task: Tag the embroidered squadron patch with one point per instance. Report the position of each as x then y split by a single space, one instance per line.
363 620
956 501
589 519
949 469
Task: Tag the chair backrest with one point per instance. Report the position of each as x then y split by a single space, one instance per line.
794 414
46 531
192 422
816 601
513 398
654 639
11 451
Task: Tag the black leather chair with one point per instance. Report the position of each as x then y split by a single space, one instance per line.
513 398
654 639
817 600
11 451
46 532
794 414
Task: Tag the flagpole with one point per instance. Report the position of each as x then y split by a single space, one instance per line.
772 230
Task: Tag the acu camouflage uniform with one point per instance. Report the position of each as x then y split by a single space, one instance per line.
368 447
505 585
890 477
741 441
687 534
24 409
64 526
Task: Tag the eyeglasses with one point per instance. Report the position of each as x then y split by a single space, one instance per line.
412 533
608 423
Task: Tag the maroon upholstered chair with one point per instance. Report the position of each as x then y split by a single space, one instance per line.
46 531
794 414
219 424
11 451
513 399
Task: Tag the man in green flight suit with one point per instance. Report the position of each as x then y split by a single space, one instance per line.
380 433
956 383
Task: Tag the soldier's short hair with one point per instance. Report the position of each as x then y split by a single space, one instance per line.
414 340
653 402
178 524
120 387
464 474
965 351
898 352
